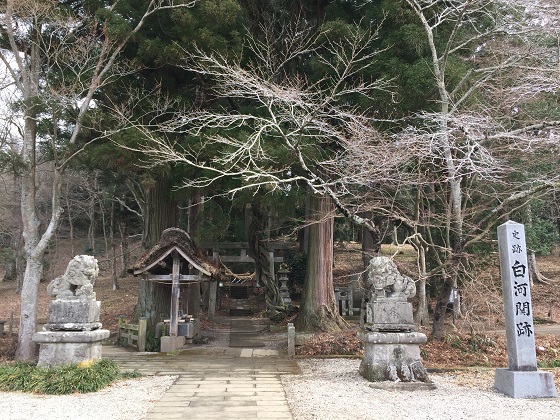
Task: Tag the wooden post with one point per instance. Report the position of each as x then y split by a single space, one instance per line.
142 325
212 299
122 321
11 326
173 328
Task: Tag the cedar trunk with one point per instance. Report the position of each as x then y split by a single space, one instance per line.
160 213
318 310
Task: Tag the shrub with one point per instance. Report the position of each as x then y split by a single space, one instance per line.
67 379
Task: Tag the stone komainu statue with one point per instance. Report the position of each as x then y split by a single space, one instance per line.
385 280
78 280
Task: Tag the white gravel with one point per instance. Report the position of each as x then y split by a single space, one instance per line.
328 389
124 400
333 389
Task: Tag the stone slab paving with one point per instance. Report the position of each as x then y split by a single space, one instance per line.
215 383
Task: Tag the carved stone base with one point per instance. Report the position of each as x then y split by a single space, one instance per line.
390 314
74 315
65 347
392 356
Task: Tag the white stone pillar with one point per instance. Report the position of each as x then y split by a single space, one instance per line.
521 379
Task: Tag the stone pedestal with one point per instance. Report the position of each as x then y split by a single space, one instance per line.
519 384
72 333
172 343
73 315
392 356
65 347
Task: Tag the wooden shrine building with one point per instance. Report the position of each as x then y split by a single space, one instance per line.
176 261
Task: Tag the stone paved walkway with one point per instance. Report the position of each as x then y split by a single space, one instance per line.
215 383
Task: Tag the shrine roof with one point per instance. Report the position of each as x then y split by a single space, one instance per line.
174 239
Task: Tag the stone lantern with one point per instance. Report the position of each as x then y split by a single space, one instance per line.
283 287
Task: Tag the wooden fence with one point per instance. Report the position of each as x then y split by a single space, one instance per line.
132 334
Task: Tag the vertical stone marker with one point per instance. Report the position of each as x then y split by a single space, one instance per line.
521 379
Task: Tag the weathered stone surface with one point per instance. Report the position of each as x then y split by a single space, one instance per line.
65 347
388 314
74 315
518 384
73 332
171 343
78 280
392 356
385 280
70 336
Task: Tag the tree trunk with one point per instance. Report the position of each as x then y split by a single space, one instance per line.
70 220
160 213
193 215
318 310
14 261
27 348
367 242
113 242
193 298
123 248
154 303
438 331
421 316
275 308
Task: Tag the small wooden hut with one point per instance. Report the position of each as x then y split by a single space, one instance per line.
177 260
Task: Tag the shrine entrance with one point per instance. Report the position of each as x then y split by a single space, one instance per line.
242 293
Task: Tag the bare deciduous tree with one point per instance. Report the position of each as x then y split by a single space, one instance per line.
41 40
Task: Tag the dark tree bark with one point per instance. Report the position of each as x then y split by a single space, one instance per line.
441 308
123 247
160 212
368 243
318 310
154 299
275 307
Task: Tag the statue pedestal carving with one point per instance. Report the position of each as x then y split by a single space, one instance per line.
73 332
392 356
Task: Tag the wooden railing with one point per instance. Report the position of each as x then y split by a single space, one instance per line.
132 334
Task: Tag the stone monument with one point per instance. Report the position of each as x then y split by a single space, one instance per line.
73 332
391 345
521 379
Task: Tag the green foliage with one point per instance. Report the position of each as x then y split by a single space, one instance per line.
68 379
541 232
541 236
297 262
549 364
153 343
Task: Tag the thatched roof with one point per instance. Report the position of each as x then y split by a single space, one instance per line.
158 260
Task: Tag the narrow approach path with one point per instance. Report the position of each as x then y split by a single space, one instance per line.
217 382
244 332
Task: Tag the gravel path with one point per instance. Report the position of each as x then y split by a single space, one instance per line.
328 389
124 400
333 389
